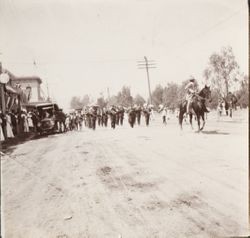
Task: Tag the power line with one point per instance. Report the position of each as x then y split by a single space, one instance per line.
120 60
147 64
212 27
69 61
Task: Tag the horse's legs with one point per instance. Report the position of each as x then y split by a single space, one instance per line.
203 121
199 123
181 113
190 120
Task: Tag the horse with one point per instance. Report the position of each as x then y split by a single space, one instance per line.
230 104
198 107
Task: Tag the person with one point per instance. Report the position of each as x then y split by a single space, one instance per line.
30 121
147 112
25 121
35 118
13 122
67 123
3 124
2 138
47 115
191 89
219 108
9 126
164 115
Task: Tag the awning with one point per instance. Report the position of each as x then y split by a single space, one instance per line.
10 89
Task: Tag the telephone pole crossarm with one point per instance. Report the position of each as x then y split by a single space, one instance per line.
147 64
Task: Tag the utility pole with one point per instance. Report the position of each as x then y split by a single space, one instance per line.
147 64
108 94
48 99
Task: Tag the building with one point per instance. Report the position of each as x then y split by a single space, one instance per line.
31 86
11 96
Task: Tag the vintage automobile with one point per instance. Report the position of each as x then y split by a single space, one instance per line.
49 117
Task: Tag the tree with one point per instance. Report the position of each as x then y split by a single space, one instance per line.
222 70
75 103
139 100
170 95
215 95
85 100
113 100
124 97
181 91
101 102
157 95
243 93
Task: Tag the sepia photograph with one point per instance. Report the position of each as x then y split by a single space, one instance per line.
124 118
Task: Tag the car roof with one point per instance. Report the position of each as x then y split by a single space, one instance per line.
42 105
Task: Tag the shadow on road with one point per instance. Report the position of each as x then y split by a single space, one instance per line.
9 145
214 132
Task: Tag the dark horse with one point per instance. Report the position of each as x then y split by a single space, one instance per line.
230 103
198 107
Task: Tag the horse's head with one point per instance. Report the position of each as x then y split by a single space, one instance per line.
206 93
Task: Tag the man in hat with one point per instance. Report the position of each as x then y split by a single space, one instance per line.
191 89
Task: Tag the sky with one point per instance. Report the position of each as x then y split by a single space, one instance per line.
86 46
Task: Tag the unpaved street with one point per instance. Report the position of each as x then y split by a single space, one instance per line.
136 183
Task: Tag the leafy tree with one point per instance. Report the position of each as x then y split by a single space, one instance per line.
181 91
170 95
124 97
113 101
157 95
222 70
85 100
139 100
101 102
243 93
75 103
215 95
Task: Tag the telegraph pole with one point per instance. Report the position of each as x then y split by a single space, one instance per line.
108 94
147 64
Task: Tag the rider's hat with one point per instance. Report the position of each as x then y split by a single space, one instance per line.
191 79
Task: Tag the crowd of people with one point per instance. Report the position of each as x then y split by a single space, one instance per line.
13 123
91 116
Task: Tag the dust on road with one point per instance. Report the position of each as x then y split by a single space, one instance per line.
141 182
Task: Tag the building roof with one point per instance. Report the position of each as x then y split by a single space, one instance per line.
23 79
42 105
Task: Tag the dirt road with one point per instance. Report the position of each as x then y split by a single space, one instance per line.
136 183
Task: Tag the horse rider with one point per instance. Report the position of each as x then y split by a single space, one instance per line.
191 89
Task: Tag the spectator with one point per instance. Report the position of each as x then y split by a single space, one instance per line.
24 121
30 121
9 126
34 117
2 138
2 116
13 122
